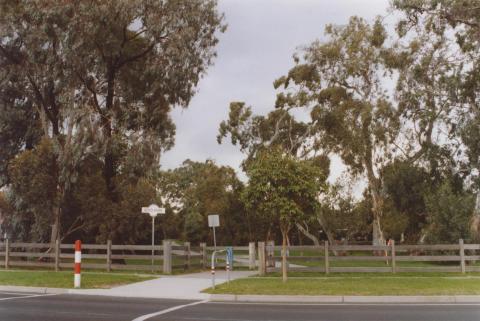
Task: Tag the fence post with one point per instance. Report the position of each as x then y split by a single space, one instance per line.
393 254
187 255
203 247
251 256
262 270
327 263
7 253
57 255
271 254
167 257
462 256
109 255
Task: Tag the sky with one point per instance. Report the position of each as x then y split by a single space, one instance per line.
256 49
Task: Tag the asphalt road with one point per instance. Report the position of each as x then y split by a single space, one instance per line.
30 307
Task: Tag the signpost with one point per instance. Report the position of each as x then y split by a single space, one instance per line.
214 221
153 210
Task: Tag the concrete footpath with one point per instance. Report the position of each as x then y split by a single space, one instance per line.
186 286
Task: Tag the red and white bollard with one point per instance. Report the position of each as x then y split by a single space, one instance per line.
78 260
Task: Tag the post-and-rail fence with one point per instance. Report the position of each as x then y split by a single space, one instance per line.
108 257
391 258
266 257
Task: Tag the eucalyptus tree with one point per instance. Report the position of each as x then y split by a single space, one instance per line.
35 84
341 83
101 77
136 60
459 22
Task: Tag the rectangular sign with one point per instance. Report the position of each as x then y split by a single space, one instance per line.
213 220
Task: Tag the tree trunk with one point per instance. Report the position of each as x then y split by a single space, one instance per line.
304 231
377 233
284 256
475 222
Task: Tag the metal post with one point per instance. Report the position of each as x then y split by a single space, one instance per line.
153 240
214 240
213 268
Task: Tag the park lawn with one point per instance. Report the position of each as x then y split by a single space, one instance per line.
451 284
90 280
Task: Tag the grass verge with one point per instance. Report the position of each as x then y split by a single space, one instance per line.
413 284
90 280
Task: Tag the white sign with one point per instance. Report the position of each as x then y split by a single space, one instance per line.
213 220
153 210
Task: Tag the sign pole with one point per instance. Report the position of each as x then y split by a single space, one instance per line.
214 240
153 241
153 210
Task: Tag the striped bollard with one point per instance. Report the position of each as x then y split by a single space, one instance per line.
78 261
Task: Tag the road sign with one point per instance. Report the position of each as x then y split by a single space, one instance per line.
213 220
153 210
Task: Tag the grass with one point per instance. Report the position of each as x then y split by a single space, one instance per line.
358 284
90 280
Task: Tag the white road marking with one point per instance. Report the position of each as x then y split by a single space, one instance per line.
178 307
25 297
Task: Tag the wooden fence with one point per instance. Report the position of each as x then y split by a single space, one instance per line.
167 257
389 258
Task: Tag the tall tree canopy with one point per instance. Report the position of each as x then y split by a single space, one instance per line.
100 78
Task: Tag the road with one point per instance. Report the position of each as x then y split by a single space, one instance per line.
31 307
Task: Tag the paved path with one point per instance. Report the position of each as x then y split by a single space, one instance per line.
186 286
66 307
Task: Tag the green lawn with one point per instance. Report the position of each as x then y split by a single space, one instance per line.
90 280
358 284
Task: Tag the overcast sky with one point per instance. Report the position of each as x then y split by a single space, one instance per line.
257 48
